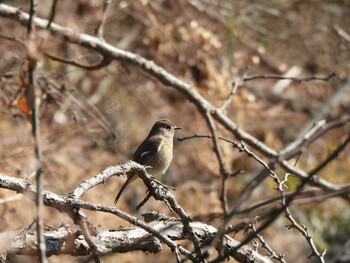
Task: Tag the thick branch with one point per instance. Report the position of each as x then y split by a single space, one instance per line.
65 241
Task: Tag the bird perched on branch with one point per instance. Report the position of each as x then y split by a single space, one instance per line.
156 151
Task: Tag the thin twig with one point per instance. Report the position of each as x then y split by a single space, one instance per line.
235 86
33 5
273 254
102 22
341 32
327 107
303 230
299 80
14 39
33 100
223 169
105 61
52 13
334 154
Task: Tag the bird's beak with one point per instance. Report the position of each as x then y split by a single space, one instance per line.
177 128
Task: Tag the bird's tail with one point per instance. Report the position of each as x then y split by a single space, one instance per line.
130 179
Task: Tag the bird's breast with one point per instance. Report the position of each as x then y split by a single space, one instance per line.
161 160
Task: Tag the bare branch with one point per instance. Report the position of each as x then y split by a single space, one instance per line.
303 230
99 179
324 111
102 22
341 32
273 254
306 196
334 154
223 169
52 13
32 99
121 241
164 230
299 80
105 61
235 86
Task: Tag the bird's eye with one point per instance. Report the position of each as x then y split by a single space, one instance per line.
168 127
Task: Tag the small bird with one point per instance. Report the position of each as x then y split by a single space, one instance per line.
155 151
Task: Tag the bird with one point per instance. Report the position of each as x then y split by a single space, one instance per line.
155 152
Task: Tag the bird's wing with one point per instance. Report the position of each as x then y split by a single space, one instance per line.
143 153
147 149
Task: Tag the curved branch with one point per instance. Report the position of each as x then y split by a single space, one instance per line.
105 61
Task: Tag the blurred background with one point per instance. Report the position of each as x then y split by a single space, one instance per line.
92 119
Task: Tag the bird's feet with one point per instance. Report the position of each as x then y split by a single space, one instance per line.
164 185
